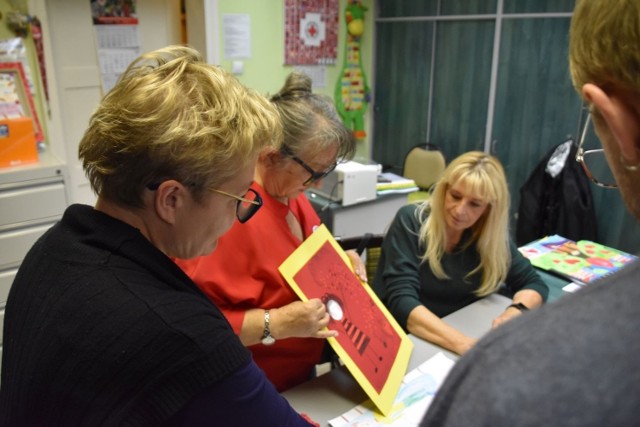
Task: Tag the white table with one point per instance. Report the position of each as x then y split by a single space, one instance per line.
335 392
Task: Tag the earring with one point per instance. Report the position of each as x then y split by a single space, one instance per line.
628 167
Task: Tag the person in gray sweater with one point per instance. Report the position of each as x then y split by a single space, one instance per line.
573 362
453 249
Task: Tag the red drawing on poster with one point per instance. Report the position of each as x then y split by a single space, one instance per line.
364 332
370 342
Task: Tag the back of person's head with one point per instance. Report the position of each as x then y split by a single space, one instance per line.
310 121
483 176
604 58
173 116
605 44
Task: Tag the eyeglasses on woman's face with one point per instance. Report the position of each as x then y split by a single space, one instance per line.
246 205
594 162
315 176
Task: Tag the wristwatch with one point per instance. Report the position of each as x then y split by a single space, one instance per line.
520 306
267 338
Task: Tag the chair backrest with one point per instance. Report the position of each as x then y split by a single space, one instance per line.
424 164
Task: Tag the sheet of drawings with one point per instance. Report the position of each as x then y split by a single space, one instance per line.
372 345
416 393
364 332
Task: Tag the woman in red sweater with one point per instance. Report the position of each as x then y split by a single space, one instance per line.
285 335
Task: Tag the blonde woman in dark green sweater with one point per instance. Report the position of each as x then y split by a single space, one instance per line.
445 253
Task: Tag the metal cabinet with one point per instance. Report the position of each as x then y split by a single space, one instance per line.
32 199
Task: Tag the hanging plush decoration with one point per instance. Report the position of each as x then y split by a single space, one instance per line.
18 22
352 92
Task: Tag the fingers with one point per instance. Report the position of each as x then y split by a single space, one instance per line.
328 333
361 272
322 321
358 266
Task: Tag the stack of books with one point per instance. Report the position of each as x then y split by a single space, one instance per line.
389 183
582 262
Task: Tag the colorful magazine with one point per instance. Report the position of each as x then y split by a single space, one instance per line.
583 261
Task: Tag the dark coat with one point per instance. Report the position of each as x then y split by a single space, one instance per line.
557 205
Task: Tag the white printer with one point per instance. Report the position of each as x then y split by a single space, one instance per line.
350 183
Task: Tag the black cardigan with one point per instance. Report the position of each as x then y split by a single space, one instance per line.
103 328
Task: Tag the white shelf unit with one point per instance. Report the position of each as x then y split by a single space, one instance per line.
32 199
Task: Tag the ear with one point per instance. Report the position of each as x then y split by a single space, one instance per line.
270 156
620 119
169 197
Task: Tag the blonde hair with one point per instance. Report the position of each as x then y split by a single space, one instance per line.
173 116
309 118
484 177
604 41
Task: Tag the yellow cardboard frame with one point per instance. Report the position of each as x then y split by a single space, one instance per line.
294 263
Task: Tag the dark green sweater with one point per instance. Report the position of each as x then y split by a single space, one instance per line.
403 282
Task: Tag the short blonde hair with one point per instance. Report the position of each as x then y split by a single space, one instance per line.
603 48
484 177
173 116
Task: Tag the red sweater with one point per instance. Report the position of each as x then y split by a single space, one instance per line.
242 273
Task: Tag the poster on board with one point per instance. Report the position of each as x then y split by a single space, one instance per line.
370 342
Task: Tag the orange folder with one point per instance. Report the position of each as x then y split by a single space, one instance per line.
17 142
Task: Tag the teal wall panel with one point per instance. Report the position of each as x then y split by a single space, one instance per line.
535 108
398 8
461 86
468 7
536 105
538 6
403 57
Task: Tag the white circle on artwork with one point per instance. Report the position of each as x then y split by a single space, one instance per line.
335 310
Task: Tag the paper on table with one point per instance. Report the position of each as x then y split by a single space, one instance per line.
416 393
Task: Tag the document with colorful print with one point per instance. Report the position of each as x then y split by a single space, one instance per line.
418 389
583 261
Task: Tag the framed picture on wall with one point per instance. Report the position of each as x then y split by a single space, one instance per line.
15 97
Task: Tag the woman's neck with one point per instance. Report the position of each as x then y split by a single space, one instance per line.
452 239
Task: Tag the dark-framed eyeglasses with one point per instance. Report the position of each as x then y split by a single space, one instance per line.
315 176
246 206
594 162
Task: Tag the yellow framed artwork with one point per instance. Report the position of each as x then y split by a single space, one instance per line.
370 342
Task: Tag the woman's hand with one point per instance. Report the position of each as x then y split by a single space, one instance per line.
358 266
508 314
426 325
528 297
301 319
